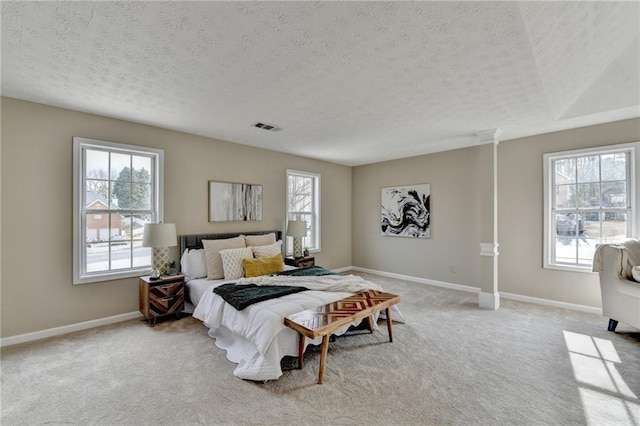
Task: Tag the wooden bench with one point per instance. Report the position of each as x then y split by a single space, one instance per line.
324 320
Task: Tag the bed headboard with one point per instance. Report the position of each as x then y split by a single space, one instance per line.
194 241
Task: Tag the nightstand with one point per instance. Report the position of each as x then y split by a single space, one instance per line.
162 297
303 262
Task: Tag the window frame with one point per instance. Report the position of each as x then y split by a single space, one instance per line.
80 144
549 231
315 210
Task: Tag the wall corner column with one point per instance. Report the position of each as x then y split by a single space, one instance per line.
489 297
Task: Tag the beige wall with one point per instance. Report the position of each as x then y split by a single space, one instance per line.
36 175
456 215
455 222
520 213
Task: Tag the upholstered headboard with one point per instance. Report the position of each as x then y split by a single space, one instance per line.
194 241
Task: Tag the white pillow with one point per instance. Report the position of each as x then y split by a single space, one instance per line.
194 264
260 240
267 251
232 262
212 249
635 272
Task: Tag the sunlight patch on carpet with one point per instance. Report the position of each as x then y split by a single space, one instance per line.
606 396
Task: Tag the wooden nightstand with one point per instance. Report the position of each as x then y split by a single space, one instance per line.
162 297
304 262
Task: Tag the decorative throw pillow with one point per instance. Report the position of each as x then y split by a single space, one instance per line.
263 266
267 251
635 272
259 240
196 264
212 249
232 262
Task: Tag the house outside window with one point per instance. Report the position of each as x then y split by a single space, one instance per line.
589 200
303 203
116 190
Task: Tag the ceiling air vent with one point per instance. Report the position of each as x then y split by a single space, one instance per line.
269 127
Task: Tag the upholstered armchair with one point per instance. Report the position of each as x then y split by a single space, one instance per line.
620 293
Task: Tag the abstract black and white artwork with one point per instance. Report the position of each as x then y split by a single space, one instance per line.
405 211
229 202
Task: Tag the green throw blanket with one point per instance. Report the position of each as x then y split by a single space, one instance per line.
241 296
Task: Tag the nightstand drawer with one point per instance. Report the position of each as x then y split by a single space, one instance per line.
306 263
162 291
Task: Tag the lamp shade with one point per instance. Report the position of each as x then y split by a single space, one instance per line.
159 235
297 228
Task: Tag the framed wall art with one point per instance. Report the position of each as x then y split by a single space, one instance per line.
406 211
233 202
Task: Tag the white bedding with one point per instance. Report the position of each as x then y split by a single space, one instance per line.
256 338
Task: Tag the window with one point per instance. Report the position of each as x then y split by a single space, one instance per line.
589 200
116 190
303 203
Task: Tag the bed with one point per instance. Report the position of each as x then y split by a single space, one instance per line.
255 338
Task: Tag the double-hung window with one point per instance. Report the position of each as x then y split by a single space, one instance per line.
589 200
303 203
116 190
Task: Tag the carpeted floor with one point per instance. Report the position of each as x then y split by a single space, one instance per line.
452 363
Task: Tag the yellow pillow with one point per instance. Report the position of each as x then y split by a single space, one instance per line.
262 266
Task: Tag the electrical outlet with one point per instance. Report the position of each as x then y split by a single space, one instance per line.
453 269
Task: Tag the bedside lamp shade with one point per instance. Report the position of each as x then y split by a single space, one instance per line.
159 236
297 229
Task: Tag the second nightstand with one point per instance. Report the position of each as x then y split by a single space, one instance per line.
161 297
303 262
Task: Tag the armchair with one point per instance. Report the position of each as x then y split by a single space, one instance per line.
620 294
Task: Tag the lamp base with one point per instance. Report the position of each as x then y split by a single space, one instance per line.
160 259
297 247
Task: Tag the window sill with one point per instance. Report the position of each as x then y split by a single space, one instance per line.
581 269
89 279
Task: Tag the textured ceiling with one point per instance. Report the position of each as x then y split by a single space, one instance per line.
347 82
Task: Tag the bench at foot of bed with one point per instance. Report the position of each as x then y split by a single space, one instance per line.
324 320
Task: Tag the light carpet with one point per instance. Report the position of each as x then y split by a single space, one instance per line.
452 363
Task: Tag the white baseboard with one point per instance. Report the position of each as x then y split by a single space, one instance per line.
511 296
553 303
340 270
418 280
57 331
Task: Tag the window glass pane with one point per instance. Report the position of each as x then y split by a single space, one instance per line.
141 169
588 168
614 166
614 227
97 164
97 228
141 196
614 194
565 171
568 225
96 195
565 196
121 166
566 249
591 221
588 195
121 194
300 194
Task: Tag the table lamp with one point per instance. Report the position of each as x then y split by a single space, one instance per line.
297 229
159 236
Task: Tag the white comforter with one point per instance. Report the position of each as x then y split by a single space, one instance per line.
256 338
